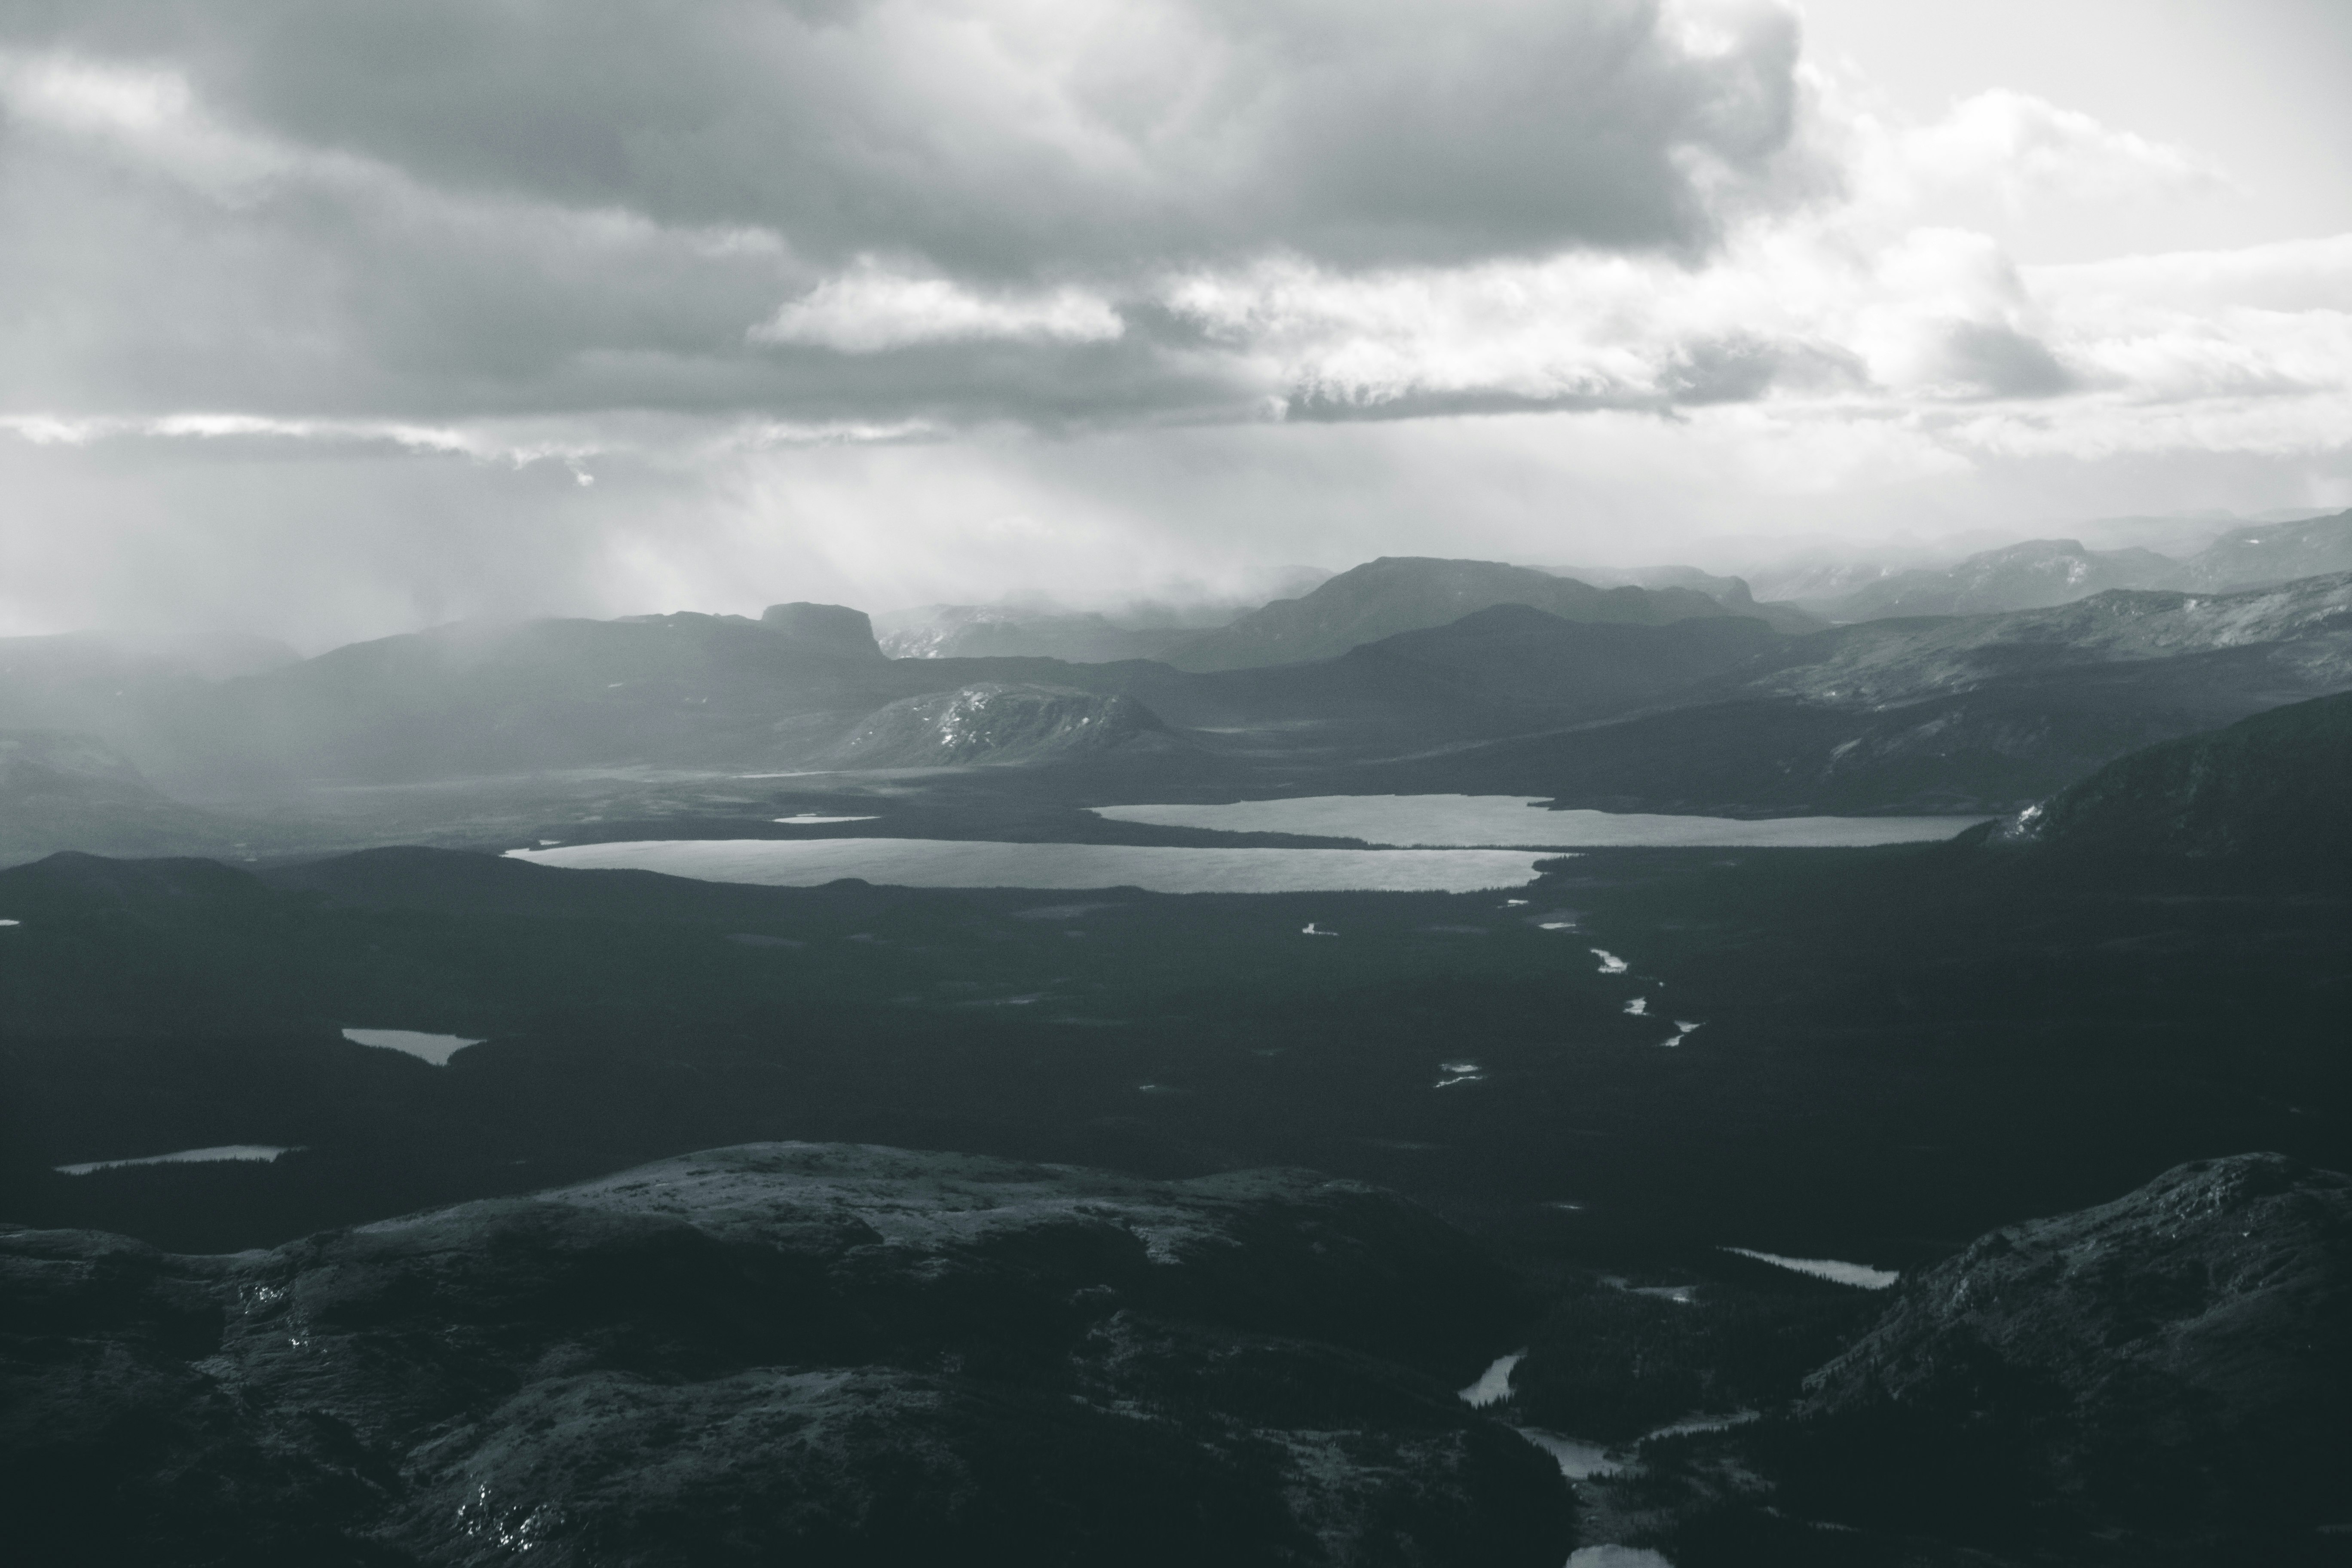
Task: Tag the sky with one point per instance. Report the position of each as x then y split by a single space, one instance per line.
341 320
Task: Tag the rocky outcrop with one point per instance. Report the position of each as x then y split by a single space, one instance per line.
781 1352
997 723
2169 1369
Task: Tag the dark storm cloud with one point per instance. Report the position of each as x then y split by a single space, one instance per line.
1021 139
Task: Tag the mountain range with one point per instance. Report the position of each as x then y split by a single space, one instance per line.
1402 674
2042 572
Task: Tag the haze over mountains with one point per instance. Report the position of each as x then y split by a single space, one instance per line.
2040 572
1403 673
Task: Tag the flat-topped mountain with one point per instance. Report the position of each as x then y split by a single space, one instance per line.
821 1353
1403 593
828 628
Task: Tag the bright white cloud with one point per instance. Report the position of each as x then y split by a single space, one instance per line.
871 309
2023 151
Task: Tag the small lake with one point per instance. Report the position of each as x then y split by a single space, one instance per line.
1860 1276
261 1152
1494 1385
1442 821
972 863
434 1049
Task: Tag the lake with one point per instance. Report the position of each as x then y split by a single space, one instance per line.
1860 1276
434 1049
971 863
1439 821
262 1152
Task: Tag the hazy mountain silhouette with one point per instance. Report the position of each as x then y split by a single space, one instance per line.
1403 593
2041 572
1732 592
1987 712
2032 576
68 791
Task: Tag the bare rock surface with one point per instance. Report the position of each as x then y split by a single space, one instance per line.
997 722
2171 1367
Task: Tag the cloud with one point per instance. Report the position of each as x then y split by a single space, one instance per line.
2022 149
870 311
881 296
1000 138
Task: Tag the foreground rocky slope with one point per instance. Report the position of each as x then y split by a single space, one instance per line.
2164 1377
805 1353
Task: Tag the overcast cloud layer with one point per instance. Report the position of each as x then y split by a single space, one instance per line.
340 319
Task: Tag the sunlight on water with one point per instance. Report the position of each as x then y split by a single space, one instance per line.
1436 821
434 1049
1859 1275
811 819
1617 1557
968 863
1692 1424
1578 1460
263 1151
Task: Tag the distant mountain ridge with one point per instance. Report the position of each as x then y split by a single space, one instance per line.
1407 593
1732 592
60 789
1985 713
2041 573
979 631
